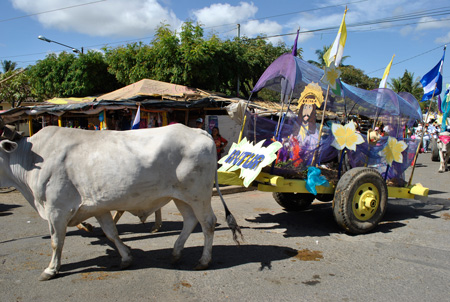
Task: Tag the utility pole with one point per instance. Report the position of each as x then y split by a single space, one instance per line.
239 37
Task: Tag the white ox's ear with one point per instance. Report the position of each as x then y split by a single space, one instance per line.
8 146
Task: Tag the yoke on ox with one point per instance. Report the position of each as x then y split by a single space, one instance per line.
62 174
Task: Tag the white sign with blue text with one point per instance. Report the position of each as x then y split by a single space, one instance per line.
249 158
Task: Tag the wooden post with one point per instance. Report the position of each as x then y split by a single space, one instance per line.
164 118
186 118
321 126
30 125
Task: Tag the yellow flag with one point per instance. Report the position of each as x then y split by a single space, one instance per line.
386 74
336 51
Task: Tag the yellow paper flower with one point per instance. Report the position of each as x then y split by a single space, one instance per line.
346 136
393 151
331 75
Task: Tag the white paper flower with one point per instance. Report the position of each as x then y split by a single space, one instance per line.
346 136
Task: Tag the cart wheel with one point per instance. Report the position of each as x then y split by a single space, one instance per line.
325 197
434 150
360 200
294 201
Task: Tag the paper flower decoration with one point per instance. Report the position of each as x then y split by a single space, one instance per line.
346 136
331 75
393 151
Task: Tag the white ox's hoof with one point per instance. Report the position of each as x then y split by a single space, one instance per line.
201 267
156 228
175 259
126 263
46 276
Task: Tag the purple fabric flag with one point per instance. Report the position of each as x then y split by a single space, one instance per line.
294 49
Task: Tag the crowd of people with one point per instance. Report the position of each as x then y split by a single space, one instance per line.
426 133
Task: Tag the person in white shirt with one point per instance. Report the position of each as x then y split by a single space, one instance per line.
426 140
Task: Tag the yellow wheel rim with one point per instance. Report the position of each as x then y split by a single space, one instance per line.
366 201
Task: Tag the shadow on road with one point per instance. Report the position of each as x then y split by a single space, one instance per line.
5 209
223 257
319 221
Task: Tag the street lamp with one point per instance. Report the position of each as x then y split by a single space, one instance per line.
50 41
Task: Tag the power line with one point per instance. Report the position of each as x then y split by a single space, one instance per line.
51 11
413 57
292 13
409 16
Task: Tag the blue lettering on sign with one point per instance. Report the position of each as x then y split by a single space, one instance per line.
248 160
244 157
233 157
256 161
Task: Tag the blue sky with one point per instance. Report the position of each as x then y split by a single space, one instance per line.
417 40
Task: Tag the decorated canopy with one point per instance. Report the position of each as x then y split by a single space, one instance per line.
290 75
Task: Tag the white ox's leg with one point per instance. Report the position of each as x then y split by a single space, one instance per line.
203 213
189 223
158 221
109 228
444 154
58 226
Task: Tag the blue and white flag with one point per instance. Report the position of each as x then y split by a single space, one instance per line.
137 119
432 81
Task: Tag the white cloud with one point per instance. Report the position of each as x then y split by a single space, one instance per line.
219 14
131 18
443 39
432 23
406 30
268 28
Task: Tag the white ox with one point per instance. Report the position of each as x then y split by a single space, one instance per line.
443 144
69 175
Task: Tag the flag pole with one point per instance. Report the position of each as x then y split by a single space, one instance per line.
423 127
421 140
321 126
326 101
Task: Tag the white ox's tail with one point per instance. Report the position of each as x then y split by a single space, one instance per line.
232 224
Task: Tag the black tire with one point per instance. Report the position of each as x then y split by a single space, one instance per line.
356 187
294 201
434 150
325 197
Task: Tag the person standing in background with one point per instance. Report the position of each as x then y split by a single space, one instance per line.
221 143
199 123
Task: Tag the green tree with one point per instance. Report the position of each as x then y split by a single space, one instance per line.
356 77
15 87
68 75
188 58
407 83
256 57
8 66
